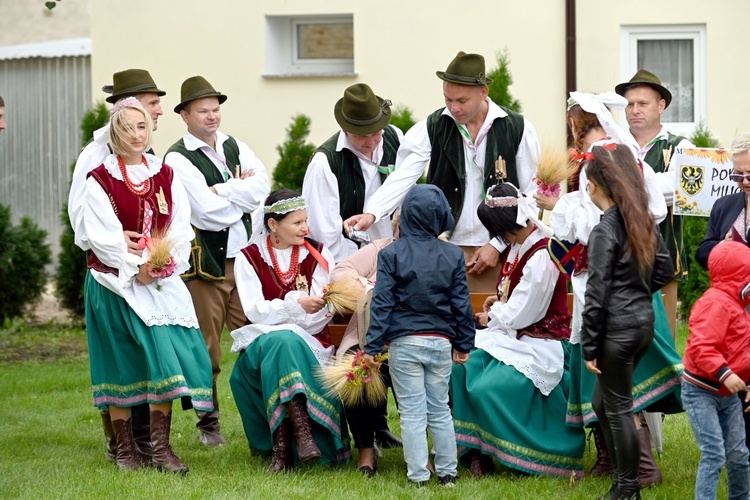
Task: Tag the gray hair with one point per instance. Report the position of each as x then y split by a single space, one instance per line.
740 145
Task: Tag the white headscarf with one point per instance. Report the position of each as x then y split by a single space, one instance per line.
600 105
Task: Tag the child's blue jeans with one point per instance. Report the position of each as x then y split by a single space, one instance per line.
420 370
720 432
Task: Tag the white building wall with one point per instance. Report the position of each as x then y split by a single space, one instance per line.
398 46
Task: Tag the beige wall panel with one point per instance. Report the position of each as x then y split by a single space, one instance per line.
29 21
727 106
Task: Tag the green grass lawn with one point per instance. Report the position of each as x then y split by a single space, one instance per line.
52 446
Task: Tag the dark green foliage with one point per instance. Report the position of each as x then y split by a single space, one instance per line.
71 269
294 155
402 118
693 231
23 255
498 89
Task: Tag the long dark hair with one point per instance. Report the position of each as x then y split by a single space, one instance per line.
278 195
615 171
499 221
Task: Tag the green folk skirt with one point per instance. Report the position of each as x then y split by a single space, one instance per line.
656 380
268 374
132 363
498 411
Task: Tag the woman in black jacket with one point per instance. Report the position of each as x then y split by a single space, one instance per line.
628 261
730 215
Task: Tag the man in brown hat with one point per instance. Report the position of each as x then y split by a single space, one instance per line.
462 143
349 167
647 100
225 181
128 83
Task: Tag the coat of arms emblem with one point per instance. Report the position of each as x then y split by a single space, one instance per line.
691 179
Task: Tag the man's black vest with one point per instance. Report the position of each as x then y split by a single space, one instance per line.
208 254
447 163
345 166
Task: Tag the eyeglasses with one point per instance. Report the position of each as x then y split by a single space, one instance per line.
739 177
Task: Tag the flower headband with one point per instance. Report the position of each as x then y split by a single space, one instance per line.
128 102
286 206
527 210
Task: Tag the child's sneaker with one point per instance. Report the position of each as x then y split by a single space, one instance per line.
447 481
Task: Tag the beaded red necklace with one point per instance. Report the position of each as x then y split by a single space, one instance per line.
136 189
291 274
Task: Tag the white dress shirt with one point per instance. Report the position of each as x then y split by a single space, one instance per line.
234 198
667 180
321 192
91 157
414 157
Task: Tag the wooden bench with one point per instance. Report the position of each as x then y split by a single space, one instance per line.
339 322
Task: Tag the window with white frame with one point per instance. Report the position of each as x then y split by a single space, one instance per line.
307 45
677 55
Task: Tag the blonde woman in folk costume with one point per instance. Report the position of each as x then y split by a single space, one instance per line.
144 342
280 277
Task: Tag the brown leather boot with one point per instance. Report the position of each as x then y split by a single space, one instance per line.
109 436
649 473
126 457
208 424
603 464
163 457
480 464
283 456
142 433
306 447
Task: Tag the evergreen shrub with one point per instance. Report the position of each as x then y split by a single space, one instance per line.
294 155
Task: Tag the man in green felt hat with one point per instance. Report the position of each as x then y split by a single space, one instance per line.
127 83
647 100
349 167
462 143
225 182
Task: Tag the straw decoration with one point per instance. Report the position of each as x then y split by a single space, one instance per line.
343 296
353 381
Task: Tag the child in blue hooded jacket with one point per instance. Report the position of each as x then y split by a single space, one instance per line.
421 308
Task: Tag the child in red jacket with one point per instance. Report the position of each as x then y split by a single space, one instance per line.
717 366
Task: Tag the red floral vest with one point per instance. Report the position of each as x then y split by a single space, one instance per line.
556 322
275 289
129 208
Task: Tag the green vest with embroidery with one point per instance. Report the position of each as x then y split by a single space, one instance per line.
345 166
671 227
447 168
208 255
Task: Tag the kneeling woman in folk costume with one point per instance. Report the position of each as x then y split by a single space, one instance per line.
144 342
280 278
656 381
509 399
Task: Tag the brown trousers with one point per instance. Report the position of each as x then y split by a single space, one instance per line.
482 283
217 304
670 304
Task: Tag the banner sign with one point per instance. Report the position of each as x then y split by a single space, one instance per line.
702 178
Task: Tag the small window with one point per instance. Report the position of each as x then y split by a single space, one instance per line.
309 46
677 55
